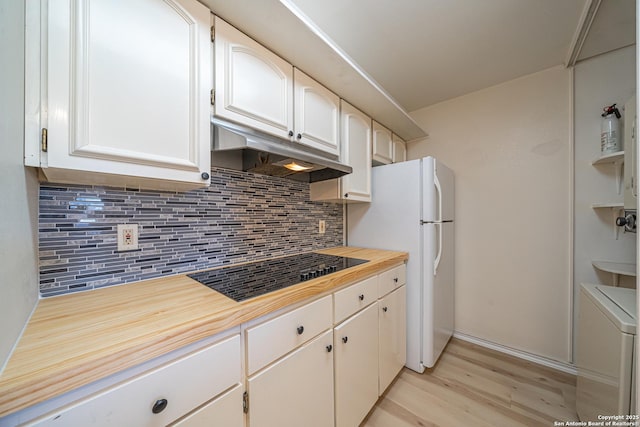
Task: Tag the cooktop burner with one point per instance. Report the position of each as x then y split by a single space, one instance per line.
256 278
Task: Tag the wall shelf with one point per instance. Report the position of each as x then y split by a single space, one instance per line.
617 159
618 156
617 209
616 268
612 205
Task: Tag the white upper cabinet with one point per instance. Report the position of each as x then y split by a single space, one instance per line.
382 145
253 85
356 137
356 152
399 149
317 114
123 92
257 88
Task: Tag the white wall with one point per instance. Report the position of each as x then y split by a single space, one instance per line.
18 187
510 148
598 82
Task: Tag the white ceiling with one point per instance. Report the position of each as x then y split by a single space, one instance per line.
425 51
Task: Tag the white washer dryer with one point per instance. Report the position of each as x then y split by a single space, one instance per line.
607 320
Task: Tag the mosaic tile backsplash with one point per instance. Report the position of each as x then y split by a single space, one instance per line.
240 217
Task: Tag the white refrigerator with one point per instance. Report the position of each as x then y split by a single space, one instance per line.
412 210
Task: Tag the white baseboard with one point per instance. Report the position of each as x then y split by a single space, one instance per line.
550 363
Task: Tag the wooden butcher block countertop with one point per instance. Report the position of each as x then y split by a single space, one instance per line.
73 340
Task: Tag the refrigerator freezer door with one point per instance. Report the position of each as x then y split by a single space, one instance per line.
438 203
438 293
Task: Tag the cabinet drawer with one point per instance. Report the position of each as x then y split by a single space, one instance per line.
225 410
354 298
276 337
184 383
391 279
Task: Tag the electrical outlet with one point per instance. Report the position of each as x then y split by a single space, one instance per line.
322 227
127 237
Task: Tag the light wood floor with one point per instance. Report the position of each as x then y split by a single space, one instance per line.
472 386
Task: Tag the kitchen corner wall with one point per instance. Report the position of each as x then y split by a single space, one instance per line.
18 226
240 217
510 149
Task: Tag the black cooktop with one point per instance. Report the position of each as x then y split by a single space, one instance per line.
256 278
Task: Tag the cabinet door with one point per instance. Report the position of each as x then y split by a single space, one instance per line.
225 410
356 143
296 390
317 114
253 86
382 145
128 90
356 366
393 336
399 149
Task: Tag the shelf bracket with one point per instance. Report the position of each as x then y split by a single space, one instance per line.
618 168
616 213
616 279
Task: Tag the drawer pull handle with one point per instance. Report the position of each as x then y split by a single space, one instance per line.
159 406
361 297
329 348
384 309
395 279
300 330
345 339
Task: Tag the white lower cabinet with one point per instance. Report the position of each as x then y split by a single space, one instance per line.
224 410
296 390
160 396
356 365
392 336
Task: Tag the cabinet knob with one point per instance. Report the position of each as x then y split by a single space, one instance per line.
204 176
300 330
361 297
345 339
290 133
395 279
329 348
159 406
346 195
385 309
299 136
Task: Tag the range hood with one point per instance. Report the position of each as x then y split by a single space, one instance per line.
242 148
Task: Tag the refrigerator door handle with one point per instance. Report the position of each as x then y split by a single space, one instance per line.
436 261
436 182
